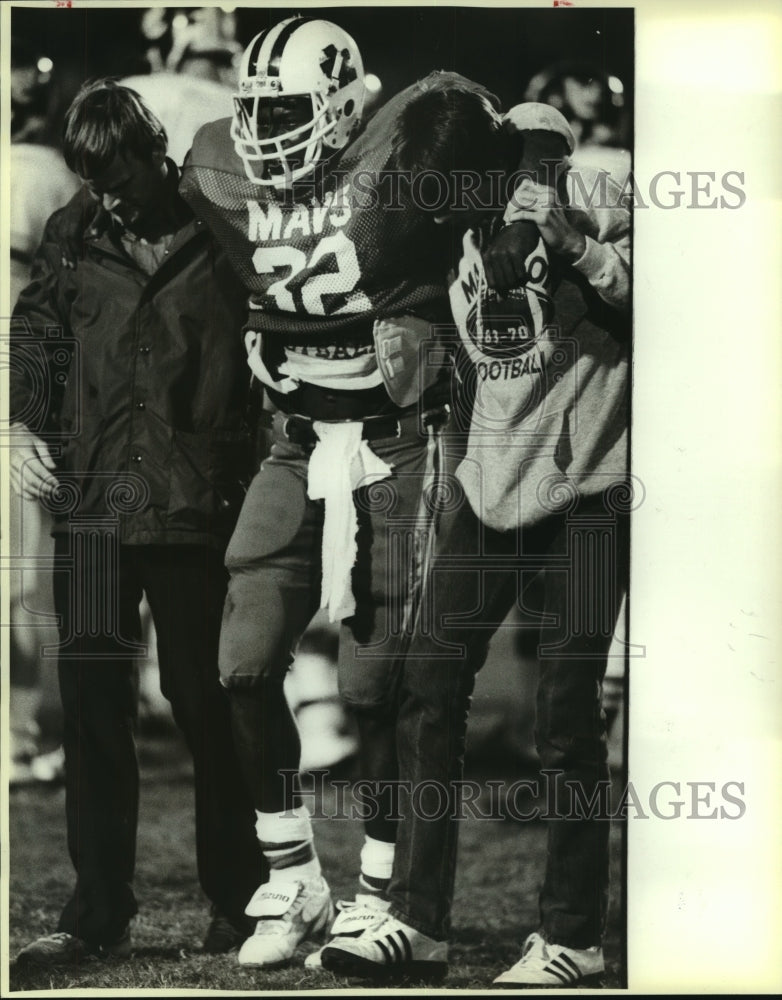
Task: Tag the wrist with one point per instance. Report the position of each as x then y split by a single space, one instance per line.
574 247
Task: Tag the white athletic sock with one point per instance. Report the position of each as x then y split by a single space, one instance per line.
286 840
377 862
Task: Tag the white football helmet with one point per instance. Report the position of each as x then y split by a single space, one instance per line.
301 96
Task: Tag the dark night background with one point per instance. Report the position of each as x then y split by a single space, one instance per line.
499 47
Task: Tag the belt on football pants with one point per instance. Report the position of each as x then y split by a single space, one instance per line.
339 460
299 429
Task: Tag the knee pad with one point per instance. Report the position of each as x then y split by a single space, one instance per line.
252 644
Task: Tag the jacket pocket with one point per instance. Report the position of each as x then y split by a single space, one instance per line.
208 475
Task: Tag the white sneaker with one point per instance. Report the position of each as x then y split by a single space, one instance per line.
389 949
544 964
288 913
353 919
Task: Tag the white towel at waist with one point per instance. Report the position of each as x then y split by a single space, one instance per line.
340 462
253 343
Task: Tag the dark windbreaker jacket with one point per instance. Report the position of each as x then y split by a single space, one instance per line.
138 383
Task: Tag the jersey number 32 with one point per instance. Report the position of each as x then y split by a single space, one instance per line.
307 287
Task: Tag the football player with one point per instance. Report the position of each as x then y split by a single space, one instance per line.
346 282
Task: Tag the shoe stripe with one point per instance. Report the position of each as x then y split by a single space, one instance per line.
569 961
394 947
565 977
386 952
407 947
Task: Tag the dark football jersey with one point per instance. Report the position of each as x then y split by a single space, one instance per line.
322 265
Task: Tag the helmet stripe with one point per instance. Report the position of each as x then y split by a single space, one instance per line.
281 41
254 55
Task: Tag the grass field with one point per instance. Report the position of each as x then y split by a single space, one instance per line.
500 868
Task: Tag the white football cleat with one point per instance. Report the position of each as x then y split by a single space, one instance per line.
544 964
388 950
288 913
353 919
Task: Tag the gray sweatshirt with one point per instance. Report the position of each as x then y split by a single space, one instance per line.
552 368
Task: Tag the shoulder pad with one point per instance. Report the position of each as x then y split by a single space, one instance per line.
213 148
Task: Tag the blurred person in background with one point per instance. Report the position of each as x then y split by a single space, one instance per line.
40 184
191 53
593 103
326 730
197 41
149 313
28 92
591 100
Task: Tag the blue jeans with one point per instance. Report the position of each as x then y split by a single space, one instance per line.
477 575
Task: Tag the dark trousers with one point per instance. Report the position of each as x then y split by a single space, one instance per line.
97 595
477 575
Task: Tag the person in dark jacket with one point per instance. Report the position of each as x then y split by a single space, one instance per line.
128 392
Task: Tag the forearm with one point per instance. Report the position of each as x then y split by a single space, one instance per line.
606 266
594 240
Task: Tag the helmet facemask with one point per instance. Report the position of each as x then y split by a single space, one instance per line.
275 148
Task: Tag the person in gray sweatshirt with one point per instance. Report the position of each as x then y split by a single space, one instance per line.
542 494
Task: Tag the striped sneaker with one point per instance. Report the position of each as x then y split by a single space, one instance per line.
552 965
354 918
388 950
288 913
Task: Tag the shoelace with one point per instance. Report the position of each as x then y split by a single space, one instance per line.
347 906
355 904
532 944
385 925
